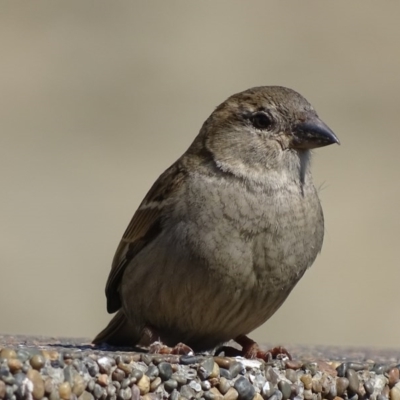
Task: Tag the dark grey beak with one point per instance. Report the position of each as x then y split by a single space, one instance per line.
312 133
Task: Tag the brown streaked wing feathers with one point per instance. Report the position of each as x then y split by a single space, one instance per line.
144 227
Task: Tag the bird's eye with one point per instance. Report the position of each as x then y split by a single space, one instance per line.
261 120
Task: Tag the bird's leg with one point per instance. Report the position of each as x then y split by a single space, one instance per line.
251 349
151 338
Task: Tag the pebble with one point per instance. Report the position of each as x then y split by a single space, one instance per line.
144 384
38 384
37 361
231 394
14 364
285 388
8 353
393 376
224 385
152 372
165 370
205 368
187 392
170 385
65 391
235 369
223 362
354 381
92 375
341 386
155 384
244 388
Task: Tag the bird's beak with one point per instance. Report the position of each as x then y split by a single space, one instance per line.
312 133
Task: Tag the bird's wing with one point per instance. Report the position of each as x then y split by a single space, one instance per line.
143 228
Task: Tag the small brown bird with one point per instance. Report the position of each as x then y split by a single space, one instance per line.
226 232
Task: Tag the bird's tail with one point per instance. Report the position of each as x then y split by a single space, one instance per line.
118 332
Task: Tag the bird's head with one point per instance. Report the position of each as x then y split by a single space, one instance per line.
261 128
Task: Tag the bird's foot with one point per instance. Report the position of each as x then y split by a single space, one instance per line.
251 349
179 349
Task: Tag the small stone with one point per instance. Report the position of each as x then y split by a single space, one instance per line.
14 364
146 358
216 394
118 375
354 381
54 395
205 368
231 394
86 396
380 369
105 364
235 369
190 374
244 388
224 385
257 396
51 355
285 388
125 394
369 387
170 385
291 375
179 377
152 372
189 360
225 373
341 370
307 381
311 366
341 386
165 370
135 392
195 386
356 366
38 384
187 392
65 390
271 375
126 368
175 395
37 362
293 364
393 376
79 385
49 385
223 362
91 366
213 394
111 390
267 390
308 394
144 384
2 390
215 371
102 380
205 385
155 384
98 391
8 353
137 374
394 393
316 384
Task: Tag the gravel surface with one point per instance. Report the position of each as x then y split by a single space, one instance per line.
59 368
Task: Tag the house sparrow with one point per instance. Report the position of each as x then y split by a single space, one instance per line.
226 232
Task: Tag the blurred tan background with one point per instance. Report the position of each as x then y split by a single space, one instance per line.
97 98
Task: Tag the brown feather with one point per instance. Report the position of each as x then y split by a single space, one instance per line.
144 227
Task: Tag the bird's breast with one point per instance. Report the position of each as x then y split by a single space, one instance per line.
264 235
